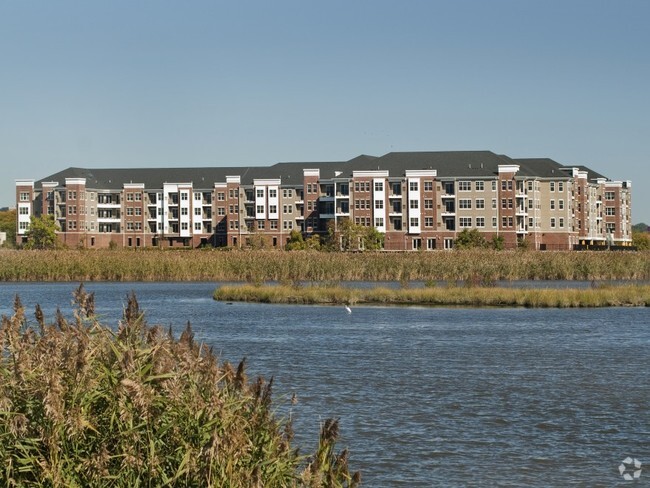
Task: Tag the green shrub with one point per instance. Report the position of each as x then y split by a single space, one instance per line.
81 405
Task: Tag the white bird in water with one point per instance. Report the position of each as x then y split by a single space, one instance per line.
347 309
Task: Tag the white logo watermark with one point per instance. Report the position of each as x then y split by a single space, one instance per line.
630 469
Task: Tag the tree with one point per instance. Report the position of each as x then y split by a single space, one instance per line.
295 242
8 225
353 237
470 239
42 233
641 240
498 243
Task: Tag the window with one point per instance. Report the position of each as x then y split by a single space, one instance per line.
480 222
185 196
379 186
413 186
552 222
288 224
221 196
465 222
494 203
129 211
197 226
560 204
221 210
530 186
22 225
609 195
414 204
465 203
560 186
259 209
184 211
428 221
494 185
479 185
561 222
184 226
24 196
552 204
273 209
494 221
415 222
260 225
428 204
610 227
24 210
273 193
197 196
552 186
610 211
464 185
273 225
379 222
260 193
129 197
197 211
509 202
379 204
504 203
428 186
480 203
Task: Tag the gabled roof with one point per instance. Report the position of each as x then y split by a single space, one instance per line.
447 163
450 164
547 168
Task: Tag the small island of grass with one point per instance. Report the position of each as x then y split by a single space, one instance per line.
598 296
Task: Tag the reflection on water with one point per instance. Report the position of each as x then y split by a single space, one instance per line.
428 396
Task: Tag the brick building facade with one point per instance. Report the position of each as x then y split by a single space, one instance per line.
418 200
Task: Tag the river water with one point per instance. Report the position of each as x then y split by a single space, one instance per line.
428 396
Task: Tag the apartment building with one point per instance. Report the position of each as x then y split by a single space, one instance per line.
418 200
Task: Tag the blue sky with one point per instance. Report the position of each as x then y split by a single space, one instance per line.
210 83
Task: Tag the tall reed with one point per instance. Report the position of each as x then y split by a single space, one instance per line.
82 405
266 265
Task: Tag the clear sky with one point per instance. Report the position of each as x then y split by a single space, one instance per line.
210 83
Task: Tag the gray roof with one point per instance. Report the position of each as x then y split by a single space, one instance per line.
450 164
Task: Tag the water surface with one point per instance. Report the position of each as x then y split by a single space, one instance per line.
428 396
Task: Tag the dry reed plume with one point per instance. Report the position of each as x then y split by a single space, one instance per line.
82 405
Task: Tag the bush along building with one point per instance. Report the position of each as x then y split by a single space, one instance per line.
415 200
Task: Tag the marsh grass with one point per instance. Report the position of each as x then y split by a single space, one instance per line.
488 296
479 266
82 405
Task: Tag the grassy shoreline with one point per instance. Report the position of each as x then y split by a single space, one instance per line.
475 266
601 296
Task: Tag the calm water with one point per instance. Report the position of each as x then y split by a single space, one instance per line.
429 396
